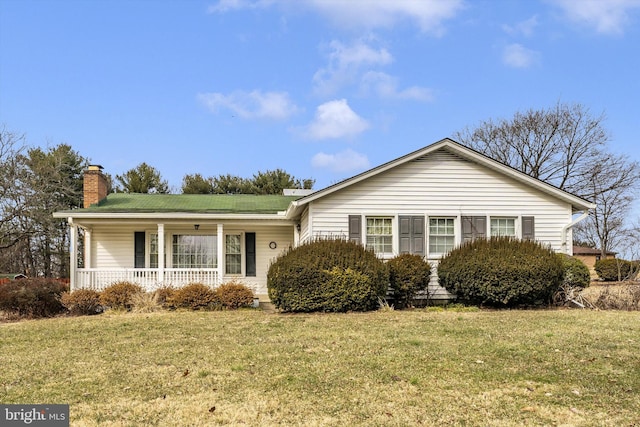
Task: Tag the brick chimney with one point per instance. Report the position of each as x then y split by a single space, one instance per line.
95 185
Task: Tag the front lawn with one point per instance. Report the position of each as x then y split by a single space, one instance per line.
489 368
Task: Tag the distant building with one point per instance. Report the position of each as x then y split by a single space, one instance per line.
589 256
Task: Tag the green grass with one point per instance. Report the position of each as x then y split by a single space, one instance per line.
489 368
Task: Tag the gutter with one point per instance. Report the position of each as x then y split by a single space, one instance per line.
567 227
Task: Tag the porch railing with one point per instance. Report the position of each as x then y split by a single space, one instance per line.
148 278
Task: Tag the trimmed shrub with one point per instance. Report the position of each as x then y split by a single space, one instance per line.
501 272
82 302
233 295
408 275
576 273
327 275
613 269
194 296
119 295
32 297
348 290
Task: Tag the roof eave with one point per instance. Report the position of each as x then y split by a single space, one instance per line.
168 215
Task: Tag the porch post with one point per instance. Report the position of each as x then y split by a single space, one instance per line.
87 248
160 253
73 253
220 251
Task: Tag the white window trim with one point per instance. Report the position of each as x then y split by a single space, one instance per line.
516 224
394 232
243 253
456 233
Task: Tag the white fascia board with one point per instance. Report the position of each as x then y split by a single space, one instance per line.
167 215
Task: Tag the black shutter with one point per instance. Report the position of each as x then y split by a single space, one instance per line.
411 234
405 234
417 237
473 227
138 249
528 228
355 228
250 257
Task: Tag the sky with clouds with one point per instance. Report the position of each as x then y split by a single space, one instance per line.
322 89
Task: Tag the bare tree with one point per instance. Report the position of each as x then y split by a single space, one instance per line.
567 147
611 184
14 193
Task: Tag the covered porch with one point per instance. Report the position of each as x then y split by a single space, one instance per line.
176 252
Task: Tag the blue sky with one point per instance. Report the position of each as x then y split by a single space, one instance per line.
321 89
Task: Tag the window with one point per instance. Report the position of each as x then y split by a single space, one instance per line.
379 237
153 250
441 235
233 254
194 251
503 227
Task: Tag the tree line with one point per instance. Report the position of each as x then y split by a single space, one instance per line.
564 145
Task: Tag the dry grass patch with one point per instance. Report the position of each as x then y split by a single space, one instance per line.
613 296
383 368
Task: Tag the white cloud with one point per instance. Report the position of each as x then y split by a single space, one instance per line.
345 63
517 56
606 16
344 161
428 15
223 6
251 105
524 28
386 86
335 119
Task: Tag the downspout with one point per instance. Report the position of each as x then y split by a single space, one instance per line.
565 248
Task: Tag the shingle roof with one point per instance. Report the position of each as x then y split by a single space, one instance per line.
196 203
583 250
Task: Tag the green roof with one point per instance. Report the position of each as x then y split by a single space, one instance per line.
197 203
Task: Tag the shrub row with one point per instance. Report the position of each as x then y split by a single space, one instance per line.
32 297
48 297
337 275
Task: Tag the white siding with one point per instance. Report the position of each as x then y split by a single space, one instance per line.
441 184
112 247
